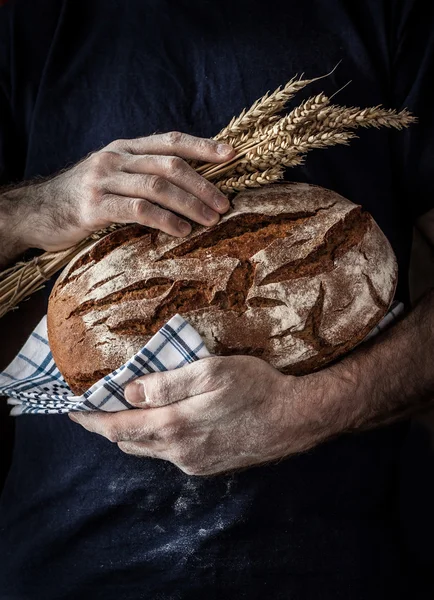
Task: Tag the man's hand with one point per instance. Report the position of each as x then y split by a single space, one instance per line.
221 414
144 180
226 413
216 415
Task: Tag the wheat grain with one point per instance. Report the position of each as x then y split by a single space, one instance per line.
288 150
264 110
261 111
250 180
342 117
300 115
264 143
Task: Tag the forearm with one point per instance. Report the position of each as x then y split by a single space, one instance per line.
391 376
143 180
12 243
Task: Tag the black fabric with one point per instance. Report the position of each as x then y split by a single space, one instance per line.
80 519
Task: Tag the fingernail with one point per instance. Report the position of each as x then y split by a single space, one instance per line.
135 393
224 149
209 214
221 202
184 227
73 417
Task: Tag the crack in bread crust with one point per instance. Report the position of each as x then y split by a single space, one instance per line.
153 288
244 230
263 233
118 238
336 242
296 276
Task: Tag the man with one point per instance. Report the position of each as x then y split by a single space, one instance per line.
123 514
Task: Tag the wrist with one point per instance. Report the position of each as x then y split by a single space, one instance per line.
12 242
23 211
324 404
343 397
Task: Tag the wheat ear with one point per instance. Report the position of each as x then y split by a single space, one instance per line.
264 109
343 117
250 180
264 144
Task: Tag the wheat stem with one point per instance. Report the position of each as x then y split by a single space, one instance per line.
264 142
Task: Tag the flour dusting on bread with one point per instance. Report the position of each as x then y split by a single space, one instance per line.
294 274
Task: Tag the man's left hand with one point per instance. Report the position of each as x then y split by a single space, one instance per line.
217 415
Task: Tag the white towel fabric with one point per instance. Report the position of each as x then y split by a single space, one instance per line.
34 384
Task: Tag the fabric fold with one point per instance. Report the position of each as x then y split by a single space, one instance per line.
34 384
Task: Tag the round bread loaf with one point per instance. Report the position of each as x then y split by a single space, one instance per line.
294 274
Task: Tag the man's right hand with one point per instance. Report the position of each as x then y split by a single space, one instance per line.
144 180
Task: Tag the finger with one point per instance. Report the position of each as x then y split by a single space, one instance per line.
144 426
139 449
176 143
178 172
168 387
117 427
120 209
166 194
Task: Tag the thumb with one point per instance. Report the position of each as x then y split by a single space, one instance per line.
163 388
135 393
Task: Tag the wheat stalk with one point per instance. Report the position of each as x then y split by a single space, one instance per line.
29 277
303 114
250 180
264 142
282 136
26 278
342 117
263 110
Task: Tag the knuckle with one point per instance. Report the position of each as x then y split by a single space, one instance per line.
214 374
156 184
206 145
171 430
126 447
132 434
174 137
93 186
192 203
139 208
203 186
158 390
164 220
167 219
170 433
116 145
113 434
189 465
102 160
182 456
175 165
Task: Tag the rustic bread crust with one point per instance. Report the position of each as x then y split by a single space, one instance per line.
294 274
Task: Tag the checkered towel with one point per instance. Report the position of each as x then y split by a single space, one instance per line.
34 384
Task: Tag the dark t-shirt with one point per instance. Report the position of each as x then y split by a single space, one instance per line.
79 518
